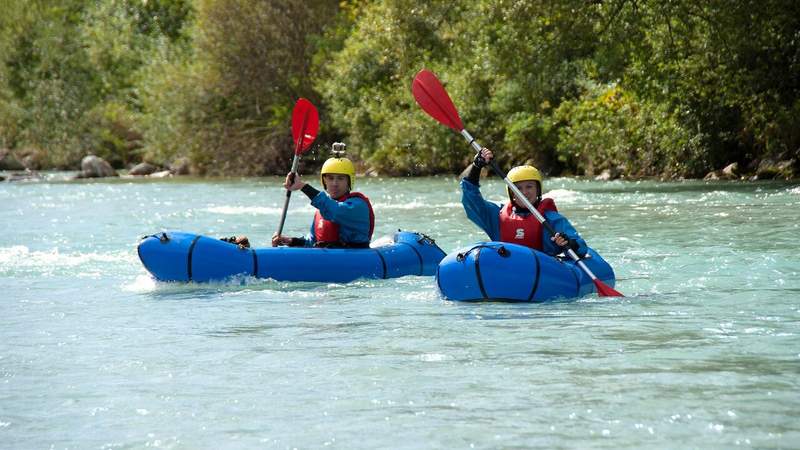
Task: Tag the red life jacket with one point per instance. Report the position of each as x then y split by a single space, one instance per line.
523 230
327 232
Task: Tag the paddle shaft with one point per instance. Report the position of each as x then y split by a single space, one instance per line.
520 197
295 161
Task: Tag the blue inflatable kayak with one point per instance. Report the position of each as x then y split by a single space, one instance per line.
180 256
502 271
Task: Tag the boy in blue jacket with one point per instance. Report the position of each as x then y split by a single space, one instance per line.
512 222
344 219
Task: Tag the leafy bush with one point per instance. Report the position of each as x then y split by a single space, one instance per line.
675 88
226 100
608 128
71 68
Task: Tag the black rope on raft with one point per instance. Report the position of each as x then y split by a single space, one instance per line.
425 239
501 250
161 236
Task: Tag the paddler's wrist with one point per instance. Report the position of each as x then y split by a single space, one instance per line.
473 174
309 191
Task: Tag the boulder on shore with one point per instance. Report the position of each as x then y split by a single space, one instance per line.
180 166
730 172
26 175
770 168
161 174
95 167
143 168
609 174
8 161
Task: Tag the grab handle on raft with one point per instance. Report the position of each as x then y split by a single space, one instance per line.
501 250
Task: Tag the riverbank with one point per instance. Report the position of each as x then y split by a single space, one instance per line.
769 174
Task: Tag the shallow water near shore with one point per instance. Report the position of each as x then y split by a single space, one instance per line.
703 352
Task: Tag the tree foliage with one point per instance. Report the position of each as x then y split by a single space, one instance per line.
643 87
69 76
227 100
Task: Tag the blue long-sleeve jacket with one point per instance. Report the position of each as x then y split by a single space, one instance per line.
352 215
486 215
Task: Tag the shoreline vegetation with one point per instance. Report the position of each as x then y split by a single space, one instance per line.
615 89
66 176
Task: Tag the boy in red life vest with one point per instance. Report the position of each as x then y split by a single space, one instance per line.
512 222
344 219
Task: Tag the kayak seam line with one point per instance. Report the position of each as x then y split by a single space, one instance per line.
189 262
419 257
538 274
383 262
478 273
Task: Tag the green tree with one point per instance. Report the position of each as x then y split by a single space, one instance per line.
705 83
728 70
506 65
227 100
69 75
366 84
49 83
646 87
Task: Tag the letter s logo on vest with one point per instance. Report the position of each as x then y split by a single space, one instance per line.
520 233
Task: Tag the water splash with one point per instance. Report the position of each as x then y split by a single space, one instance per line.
19 258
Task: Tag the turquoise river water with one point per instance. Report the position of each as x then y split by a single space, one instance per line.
704 352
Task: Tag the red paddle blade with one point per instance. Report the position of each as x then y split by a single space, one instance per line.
305 124
432 97
605 290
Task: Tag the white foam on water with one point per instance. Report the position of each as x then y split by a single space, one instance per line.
248 210
13 253
710 197
425 295
432 357
415 204
562 195
145 284
378 205
141 284
22 256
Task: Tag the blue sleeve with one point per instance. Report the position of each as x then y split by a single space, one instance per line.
482 213
561 225
352 215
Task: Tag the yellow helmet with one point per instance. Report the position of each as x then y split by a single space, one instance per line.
339 165
524 173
